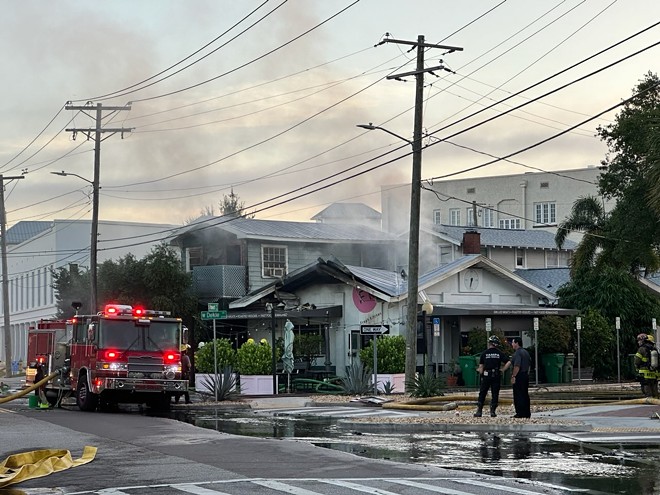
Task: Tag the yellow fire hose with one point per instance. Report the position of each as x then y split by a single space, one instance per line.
38 463
29 389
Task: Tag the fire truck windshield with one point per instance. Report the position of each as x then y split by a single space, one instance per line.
125 335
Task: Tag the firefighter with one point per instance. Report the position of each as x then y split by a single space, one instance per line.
185 372
490 369
646 365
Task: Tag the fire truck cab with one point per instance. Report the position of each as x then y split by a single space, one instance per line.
123 354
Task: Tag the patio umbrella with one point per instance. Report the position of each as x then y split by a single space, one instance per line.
287 358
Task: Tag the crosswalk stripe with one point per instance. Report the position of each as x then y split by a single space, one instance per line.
284 487
509 489
359 488
196 489
431 488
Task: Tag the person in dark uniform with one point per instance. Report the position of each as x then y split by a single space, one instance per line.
490 369
520 379
185 372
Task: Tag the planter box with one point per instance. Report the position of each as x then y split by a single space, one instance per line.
396 379
257 384
201 380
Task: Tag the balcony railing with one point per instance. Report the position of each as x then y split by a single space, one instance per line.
219 281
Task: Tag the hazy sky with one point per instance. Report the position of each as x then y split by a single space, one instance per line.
270 106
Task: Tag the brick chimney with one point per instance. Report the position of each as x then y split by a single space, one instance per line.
471 242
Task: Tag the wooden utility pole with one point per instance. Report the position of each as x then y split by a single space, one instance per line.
95 134
415 195
5 275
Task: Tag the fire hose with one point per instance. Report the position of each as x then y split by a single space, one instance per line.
29 389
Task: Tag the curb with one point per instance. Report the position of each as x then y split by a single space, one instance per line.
385 427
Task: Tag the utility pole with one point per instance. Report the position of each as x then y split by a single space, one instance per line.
415 195
474 214
5 276
95 134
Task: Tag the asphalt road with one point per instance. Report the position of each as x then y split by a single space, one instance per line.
146 455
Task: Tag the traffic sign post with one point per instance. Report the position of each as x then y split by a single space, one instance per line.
214 315
536 349
375 331
578 326
617 323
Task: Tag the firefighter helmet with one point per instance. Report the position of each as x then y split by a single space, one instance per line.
650 338
641 337
184 347
494 340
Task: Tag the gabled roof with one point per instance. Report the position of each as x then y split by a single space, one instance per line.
25 230
384 284
348 210
549 279
252 228
533 239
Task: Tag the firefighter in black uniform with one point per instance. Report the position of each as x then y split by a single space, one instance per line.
490 369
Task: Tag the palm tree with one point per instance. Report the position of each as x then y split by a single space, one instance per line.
588 216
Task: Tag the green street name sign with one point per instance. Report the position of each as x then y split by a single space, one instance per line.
214 315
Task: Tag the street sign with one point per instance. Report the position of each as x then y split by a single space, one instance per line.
214 315
654 324
489 325
578 323
374 329
213 307
536 324
618 323
436 327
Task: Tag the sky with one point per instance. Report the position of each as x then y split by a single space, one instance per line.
263 98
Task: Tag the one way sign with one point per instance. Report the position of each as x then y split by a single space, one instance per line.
374 329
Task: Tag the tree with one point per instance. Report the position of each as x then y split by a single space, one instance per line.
598 344
232 206
71 285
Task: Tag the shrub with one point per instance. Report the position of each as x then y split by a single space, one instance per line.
391 354
306 346
478 341
425 385
255 359
204 356
554 335
226 383
357 380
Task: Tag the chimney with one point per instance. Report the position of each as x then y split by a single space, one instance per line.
471 242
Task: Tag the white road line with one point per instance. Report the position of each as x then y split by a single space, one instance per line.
359 488
110 491
196 489
508 488
284 487
431 488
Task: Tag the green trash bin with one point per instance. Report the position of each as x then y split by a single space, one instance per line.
552 364
469 370
506 376
567 368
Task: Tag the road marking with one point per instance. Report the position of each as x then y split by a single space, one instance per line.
375 491
344 412
285 487
196 489
439 489
7 411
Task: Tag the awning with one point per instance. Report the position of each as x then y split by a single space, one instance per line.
485 310
329 312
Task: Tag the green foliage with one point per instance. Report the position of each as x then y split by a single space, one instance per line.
232 206
554 335
391 354
226 356
477 341
255 359
599 338
307 346
357 380
388 388
226 383
425 385
71 285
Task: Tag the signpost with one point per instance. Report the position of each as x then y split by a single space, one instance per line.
436 333
578 326
536 349
375 331
617 323
214 313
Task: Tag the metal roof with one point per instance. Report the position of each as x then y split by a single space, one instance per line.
536 239
25 230
549 279
348 210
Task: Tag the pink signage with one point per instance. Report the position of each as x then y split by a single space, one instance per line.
364 302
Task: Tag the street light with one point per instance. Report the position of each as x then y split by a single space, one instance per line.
93 247
413 239
271 307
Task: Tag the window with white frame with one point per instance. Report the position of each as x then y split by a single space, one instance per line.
509 223
454 216
470 217
520 258
545 213
444 255
437 217
193 257
488 216
555 258
273 261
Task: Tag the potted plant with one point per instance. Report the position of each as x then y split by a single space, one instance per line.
391 361
254 364
454 371
205 365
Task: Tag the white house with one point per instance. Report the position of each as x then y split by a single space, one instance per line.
34 249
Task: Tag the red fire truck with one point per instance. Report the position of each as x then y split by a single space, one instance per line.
123 354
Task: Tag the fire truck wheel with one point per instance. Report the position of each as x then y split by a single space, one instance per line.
87 401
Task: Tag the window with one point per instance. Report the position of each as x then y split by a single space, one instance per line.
454 216
444 255
470 217
556 258
545 185
520 258
437 217
471 190
488 217
510 223
193 257
273 261
545 213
